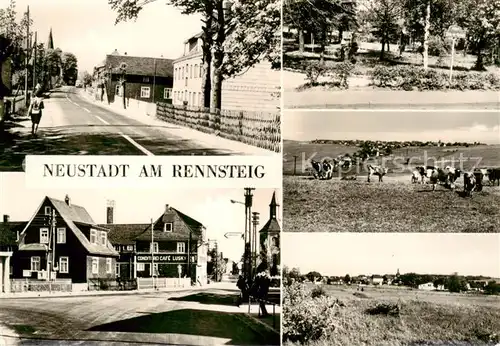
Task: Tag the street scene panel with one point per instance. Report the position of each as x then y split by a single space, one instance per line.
174 266
391 289
370 54
102 82
365 171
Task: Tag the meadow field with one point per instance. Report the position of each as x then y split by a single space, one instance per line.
481 156
395 205
351 317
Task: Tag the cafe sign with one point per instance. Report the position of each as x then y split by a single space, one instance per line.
167 258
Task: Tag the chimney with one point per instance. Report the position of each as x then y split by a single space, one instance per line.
6 218
67 200
110 212
167 208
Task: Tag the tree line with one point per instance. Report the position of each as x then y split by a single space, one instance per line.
25 57
453 283
400 22
236 35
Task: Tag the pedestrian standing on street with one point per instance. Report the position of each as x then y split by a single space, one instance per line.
241 285
263 281
35 110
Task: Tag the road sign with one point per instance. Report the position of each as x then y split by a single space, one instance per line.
233 234
455 32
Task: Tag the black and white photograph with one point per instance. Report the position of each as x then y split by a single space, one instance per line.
391 289
368 171
380 54
176 267
139 78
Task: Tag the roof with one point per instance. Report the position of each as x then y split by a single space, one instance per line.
72 215
33 247
125 234
179 233
271 226
142 66
198 35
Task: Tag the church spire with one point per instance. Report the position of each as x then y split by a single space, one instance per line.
50 42
272 207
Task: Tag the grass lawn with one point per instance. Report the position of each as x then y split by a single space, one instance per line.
391 206
425 318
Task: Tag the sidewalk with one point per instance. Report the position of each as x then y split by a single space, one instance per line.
392 99
205 139
46 294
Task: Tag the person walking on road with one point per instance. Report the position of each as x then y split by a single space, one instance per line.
35 110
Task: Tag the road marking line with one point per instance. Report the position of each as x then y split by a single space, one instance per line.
86 109
137 145
134 143
101 119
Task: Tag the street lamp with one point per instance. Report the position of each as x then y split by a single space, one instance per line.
255 222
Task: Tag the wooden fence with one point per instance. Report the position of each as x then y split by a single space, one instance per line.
30 285
111 284
149 283
259 129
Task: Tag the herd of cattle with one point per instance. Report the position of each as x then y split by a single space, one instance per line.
473 180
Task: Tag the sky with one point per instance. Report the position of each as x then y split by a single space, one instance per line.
211 207
400 126
86 28
338 254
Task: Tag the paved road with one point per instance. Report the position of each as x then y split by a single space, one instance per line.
205 317
73 125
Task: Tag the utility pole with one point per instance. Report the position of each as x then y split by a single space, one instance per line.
216 262
27 57
255 222
154 81
189 254
295 164
152 255
34 62
248 229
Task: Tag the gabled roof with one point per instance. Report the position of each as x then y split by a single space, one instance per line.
271 226
142 66
72 215
125 234
193 226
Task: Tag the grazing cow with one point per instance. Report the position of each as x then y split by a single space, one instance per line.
448 176
494 175
470 183
317 167
378 171
327 170
422 172
416 177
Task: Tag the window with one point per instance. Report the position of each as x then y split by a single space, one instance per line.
153 247
95 265
167 93
199 100
190 71
109 265
117 269
104 239
167 227
44 235
48 211
117 91
130 247
196 71
35 263
182 72
61 235
201 71
63 265
140 267
93 236
181 247
145 92
155 269
145 79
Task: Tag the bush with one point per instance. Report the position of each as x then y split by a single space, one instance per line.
314 70
415 77
340 73
306 319
318 291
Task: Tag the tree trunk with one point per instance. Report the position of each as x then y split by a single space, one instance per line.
426 34
207 56
382 51
123 96
218 57
301 41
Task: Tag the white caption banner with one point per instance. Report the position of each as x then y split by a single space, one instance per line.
181 172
